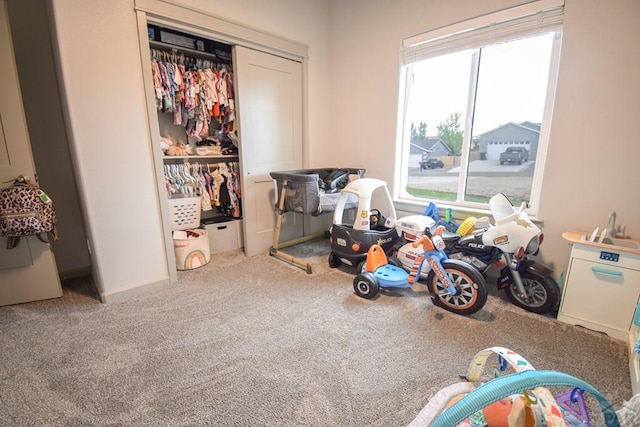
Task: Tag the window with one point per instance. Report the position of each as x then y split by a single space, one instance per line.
471 91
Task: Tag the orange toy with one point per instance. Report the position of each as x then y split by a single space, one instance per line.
375 258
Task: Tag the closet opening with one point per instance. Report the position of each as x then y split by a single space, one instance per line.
269 114
194 95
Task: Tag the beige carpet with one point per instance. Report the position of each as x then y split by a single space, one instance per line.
258 342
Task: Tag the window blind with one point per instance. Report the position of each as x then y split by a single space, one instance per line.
530 19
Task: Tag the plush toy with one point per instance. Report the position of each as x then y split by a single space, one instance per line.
497 414
522 413
177 150
165 143
513 411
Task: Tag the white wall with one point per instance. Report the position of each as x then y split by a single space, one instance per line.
109 136
108 125
592 164
594 149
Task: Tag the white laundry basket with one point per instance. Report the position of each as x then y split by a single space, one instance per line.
192 251
184 212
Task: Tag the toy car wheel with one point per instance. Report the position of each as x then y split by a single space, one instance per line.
334 260
365 285
361 266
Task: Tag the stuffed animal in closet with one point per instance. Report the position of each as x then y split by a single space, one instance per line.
165 143
172 148
177 150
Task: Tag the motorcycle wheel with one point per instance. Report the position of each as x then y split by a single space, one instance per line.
471 285
542 294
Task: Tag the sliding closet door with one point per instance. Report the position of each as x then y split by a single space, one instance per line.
270 119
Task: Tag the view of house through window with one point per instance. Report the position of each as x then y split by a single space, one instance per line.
473 121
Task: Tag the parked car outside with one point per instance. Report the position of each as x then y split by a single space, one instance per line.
431 164
517 155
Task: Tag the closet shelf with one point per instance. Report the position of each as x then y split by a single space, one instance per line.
232 157
187 51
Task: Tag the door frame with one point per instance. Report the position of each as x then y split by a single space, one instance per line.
205 24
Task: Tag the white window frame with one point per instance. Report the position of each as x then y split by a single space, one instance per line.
533 18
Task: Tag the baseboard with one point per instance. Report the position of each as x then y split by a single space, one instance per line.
124 294
594 326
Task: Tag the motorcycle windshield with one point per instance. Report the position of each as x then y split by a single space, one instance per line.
501 208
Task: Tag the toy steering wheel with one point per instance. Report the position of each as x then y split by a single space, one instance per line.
375 217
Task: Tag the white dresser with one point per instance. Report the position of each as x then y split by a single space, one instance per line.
601 291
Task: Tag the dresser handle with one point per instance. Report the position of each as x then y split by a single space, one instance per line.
636 316
607 272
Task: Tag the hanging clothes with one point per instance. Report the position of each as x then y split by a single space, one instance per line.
194 91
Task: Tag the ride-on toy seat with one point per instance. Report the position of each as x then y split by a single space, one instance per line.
387 275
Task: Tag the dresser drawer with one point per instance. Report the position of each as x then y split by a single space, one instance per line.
606 256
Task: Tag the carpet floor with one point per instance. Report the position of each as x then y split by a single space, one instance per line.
259 342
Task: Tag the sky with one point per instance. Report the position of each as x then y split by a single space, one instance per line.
512 83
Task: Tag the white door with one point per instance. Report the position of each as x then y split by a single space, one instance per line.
270 123
27 272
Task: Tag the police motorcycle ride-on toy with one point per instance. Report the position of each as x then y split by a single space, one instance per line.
453 285
527 283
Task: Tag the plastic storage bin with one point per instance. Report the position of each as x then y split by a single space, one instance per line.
192 252
185 213
224 236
